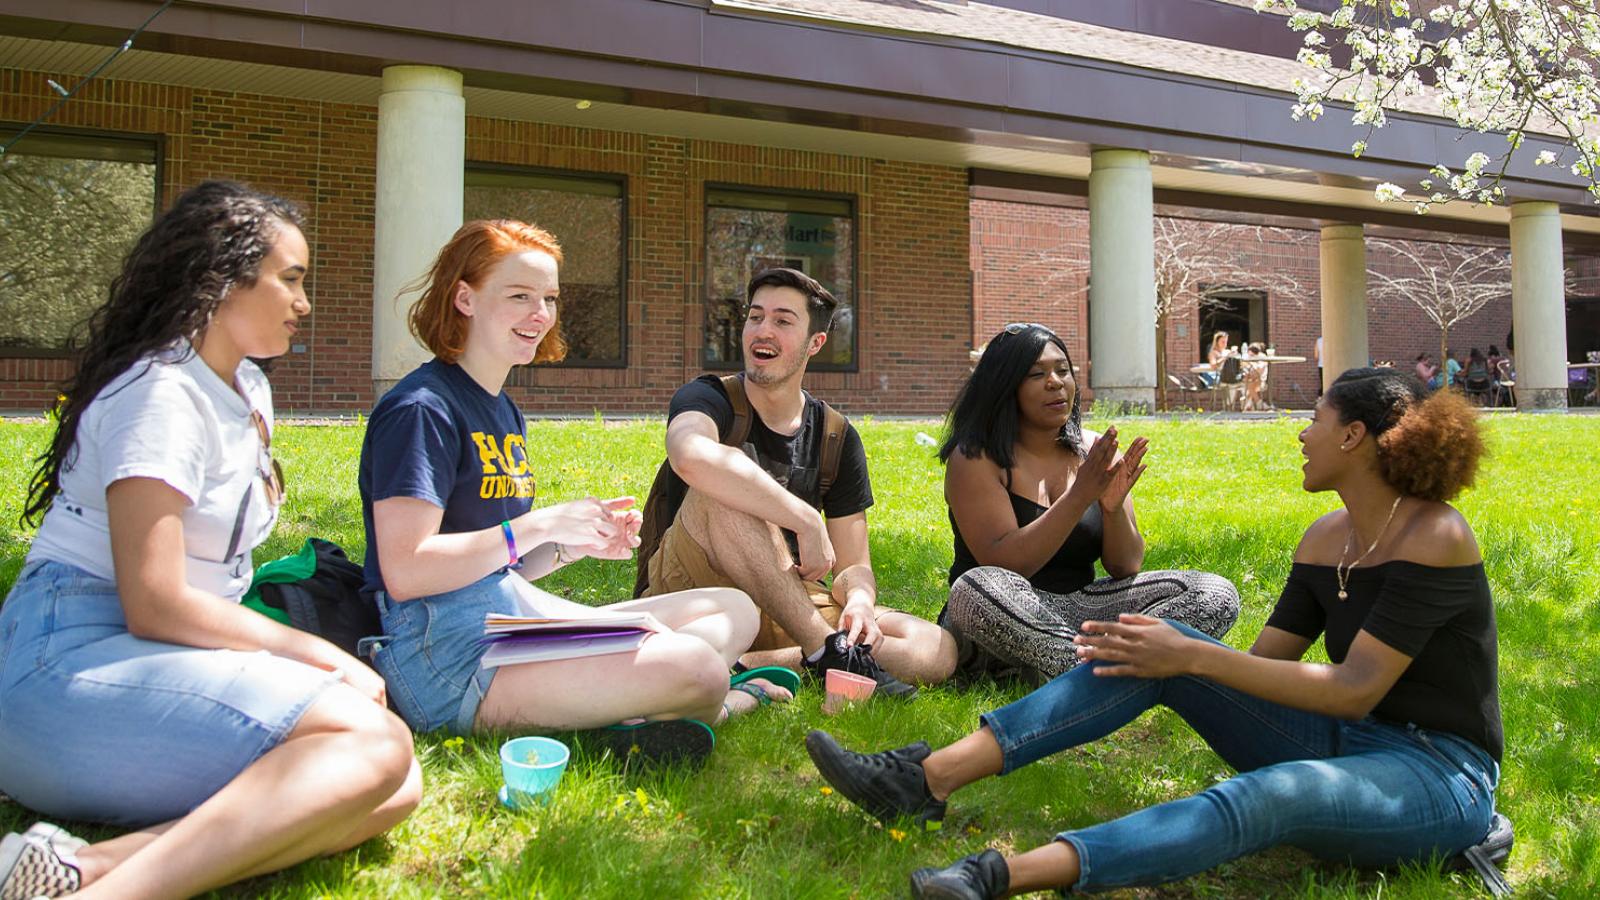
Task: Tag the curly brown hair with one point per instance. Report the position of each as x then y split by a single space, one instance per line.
211 240
1429 446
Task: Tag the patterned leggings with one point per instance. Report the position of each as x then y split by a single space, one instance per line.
1002 623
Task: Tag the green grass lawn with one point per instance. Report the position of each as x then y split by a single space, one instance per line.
756 822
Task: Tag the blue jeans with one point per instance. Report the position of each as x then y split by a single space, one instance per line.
1367 792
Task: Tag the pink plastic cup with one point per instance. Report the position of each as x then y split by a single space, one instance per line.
844 688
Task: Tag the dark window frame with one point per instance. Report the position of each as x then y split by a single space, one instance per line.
1227 292
523 376
155 142
855 268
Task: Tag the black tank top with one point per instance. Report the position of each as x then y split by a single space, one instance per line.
1069 569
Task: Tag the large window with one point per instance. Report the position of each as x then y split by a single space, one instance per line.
748 230
70 207
586 214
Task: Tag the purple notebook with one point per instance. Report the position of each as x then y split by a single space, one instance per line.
556 636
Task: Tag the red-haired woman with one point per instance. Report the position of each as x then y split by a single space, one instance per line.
447 492
1388 753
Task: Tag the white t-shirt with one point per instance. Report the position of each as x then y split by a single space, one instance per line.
171 418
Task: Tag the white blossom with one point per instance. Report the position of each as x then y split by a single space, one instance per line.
1511 67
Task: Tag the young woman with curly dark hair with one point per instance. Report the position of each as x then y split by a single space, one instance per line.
1388 753
1034 502
134 689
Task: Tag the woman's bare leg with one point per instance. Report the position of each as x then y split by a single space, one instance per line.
344 774
671 676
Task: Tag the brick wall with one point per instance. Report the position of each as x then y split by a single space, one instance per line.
1031 261
913 296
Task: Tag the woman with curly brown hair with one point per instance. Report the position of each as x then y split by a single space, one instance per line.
1388 753
134 689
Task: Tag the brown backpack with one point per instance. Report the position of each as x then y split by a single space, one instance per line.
667 491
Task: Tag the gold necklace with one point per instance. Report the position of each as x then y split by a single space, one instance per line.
1342 571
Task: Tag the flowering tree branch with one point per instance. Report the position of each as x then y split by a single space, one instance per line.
1515 67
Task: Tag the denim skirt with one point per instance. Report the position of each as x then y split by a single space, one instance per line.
98 725
431 648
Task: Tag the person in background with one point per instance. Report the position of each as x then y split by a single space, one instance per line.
1214 356
1426 370
1319 364
1255 377
137 691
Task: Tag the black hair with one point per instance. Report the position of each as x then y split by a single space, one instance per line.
820 303
1475 354
1428 445
983 418
213 238
1493 350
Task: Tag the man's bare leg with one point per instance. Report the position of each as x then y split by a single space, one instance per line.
914 649
752 553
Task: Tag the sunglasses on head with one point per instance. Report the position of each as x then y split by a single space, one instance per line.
1020 327
271 472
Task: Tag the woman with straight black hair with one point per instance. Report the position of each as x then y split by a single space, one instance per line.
1034 501
134 689
1387 753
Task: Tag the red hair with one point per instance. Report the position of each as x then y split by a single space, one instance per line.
471 252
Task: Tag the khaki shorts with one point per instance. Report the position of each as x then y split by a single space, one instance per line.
680 564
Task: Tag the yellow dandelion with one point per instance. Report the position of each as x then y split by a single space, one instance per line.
827 791
897 834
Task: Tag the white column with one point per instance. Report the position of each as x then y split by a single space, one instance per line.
1122 283
1538 306
1342 258
422 134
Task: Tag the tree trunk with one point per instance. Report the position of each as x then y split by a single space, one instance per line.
1161 357
1444 356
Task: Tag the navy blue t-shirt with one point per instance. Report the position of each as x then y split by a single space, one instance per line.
439 436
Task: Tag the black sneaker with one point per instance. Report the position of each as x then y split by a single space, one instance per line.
835 654
887 785
670 742
978 877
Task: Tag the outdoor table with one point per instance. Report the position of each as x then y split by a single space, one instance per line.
1593 391
1245 360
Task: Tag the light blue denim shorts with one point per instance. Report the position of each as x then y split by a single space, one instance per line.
98 725
431 649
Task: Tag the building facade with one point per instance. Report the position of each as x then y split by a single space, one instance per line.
675 146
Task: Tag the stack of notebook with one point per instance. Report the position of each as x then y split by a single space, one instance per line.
548 627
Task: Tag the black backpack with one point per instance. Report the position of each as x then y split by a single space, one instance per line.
666 491
329 603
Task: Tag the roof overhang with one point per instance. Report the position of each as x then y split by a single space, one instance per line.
712 71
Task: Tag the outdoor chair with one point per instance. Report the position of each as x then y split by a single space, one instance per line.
1231 379
1185 386
1505 384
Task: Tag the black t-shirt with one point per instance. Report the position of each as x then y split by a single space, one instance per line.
439 436
1443 618
794 460
1068 570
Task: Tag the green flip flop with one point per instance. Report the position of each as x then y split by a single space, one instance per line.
786 678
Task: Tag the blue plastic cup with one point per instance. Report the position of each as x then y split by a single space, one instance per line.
531 767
